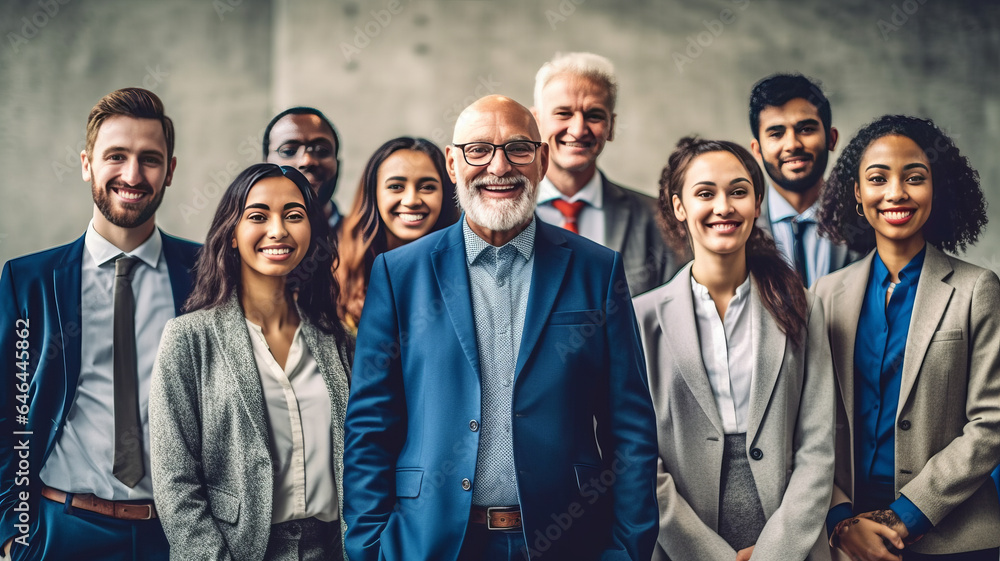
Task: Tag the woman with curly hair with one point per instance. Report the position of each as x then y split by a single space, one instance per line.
915 337
405 194
739 371
250 388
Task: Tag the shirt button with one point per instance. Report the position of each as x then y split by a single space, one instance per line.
466 484
756 453
500 282
904 424
473 425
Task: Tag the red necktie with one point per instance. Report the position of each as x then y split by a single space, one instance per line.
569 211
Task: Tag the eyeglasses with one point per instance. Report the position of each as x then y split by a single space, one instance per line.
320 149
518 152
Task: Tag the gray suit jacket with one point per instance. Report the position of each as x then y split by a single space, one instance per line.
211 464
631 229
948 420
840 255
789 435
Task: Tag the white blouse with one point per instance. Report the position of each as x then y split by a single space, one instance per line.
299 417
727 351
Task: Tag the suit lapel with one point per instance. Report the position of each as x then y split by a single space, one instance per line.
234 342
838 256
551 262
676 314
845 311
929 305
66 282
180 277
616 216
768 344
452 273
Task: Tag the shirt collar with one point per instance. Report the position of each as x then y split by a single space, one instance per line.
102 251
592 193
524 242
700 291
780 209
907 275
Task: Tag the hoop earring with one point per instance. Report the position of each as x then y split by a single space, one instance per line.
858 210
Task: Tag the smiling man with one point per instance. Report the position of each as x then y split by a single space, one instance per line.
790 119
575 95
485 355
89 317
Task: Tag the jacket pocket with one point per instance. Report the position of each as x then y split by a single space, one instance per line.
577 317
224 505
947 335
408 483
584 474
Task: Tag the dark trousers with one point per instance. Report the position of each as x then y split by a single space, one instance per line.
60 532
492 545
981 555
308 539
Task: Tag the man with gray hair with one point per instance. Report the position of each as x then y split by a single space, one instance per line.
575 96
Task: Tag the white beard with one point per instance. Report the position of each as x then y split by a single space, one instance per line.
497 215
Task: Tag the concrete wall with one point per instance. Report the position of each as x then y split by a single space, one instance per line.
383 68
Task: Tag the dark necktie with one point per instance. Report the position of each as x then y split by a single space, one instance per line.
569 210
799 249
128 466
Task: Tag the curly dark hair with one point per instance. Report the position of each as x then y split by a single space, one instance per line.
958 208
780 286
217 270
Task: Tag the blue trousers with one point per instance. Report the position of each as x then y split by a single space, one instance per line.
490 545
60 532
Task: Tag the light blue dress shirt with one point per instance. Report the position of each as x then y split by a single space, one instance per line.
500 278
817 250
81 460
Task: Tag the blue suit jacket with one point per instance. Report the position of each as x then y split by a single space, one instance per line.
40 293
409 436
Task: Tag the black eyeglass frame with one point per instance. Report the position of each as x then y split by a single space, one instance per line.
503 146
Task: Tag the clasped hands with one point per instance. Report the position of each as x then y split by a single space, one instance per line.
878 535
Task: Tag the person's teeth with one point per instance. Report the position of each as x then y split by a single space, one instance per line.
411 217
281 251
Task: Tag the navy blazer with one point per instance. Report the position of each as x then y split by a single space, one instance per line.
40 294
411 435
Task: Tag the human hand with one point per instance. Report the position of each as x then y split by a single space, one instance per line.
864 539
6 550
744 554
888 517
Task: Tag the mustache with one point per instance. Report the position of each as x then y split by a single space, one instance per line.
799 154
481 182
119 184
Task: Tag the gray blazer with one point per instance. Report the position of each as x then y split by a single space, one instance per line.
840 255
948 420
211 464
789 435
631 229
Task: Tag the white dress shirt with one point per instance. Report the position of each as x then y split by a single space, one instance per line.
82 458
299 417
590 221
727 351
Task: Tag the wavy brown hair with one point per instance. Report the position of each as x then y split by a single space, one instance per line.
958 208
363 235
217 270
780 286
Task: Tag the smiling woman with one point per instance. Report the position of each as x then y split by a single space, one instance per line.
250 388
405 194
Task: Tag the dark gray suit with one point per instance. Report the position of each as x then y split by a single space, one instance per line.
840 255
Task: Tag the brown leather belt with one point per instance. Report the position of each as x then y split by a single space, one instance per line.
496 517
115 509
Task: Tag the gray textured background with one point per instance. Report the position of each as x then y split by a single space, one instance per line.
224 67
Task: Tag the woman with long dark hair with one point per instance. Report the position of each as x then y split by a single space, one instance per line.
250 388
739 370
405 193
915 336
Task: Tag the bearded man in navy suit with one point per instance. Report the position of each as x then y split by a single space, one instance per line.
486 353
74 475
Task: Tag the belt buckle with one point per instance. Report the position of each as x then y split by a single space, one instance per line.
149 512
489 515
120 514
